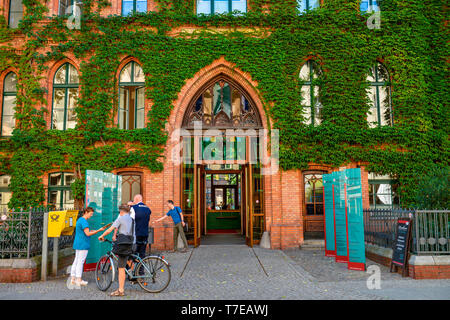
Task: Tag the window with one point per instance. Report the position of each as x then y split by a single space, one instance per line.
307 5
310 75
5 193
383 192
68 6
313 194
222 105
59 190
380 113
221 6
65 95
7 121
15 13
131 186
133 6
369 6
131 97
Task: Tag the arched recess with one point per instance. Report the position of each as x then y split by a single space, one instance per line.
214 77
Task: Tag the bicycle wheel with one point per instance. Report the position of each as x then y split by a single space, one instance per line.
153 274
104 273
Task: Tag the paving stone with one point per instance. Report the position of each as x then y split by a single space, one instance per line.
237 272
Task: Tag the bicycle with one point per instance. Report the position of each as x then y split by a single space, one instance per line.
147 272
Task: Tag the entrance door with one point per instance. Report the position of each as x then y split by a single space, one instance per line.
313 220
223 201
249 206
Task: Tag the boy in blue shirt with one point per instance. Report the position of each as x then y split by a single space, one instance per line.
177 216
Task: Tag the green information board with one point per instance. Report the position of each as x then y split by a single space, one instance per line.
103 194
355 219
344 221
330 244
340 217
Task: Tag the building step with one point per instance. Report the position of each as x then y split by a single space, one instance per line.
312 244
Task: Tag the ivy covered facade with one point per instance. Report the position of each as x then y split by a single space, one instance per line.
345 83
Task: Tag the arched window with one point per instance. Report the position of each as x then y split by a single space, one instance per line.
65 95
222 105
369 6
15 13
380 113
310 75
133 6
131 185
307 5
220 6
9 103
68 6
313 193
131 97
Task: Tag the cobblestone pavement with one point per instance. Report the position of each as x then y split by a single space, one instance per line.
237 272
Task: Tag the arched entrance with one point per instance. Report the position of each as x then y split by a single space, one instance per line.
221 180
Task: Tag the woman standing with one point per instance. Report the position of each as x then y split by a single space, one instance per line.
81 246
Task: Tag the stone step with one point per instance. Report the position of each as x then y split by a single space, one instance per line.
312 244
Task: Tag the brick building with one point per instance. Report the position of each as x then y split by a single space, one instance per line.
219 192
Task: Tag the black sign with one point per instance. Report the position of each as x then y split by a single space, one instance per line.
400 251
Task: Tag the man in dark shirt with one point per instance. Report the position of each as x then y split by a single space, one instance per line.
141 215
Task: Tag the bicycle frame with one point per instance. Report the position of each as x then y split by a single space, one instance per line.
112 256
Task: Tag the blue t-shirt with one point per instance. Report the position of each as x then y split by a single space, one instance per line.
174 214
82 241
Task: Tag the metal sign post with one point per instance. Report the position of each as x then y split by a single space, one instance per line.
55 256
44 248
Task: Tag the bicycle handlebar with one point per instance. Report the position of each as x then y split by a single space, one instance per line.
107 240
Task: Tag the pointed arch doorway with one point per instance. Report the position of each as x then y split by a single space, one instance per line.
221 181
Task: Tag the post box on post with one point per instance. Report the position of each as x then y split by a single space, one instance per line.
58 223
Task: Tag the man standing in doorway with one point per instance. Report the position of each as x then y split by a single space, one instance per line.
141 215
177 216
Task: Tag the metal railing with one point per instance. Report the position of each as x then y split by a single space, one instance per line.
379 225
21 234
430 233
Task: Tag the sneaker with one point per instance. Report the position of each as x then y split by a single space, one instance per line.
81 283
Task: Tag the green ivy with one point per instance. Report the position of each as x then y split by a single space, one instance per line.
411 44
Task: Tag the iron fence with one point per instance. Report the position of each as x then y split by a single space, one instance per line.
430 230
379 225
21 234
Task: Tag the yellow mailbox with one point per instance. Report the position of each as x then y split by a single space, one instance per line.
61 223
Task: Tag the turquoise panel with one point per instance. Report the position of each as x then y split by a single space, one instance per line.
339 204
355 217
329 212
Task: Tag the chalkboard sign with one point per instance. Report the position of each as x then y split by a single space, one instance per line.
400 251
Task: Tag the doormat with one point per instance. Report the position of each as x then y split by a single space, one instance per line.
218 231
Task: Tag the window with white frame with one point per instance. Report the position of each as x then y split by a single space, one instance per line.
70 7
5 192
383 191
221 6
307 5
133 6
310 75
15 13
132 97
369 6
7 121
379 91
59 190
